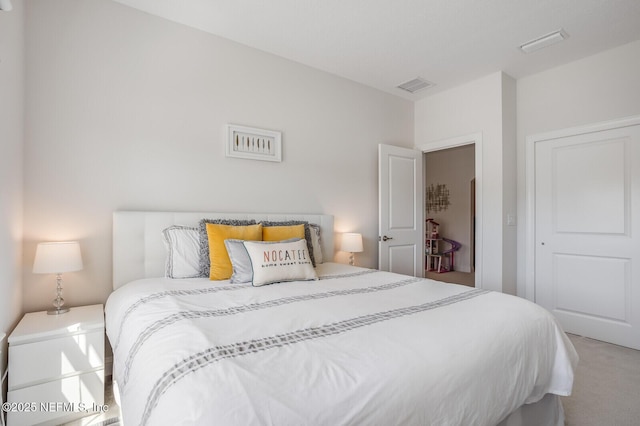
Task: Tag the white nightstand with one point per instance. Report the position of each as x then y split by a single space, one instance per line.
56 367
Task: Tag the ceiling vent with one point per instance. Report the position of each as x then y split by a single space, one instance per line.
544 41
415 85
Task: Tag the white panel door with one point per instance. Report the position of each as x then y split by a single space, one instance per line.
401 211
587 225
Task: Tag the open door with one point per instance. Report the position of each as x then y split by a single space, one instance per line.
401 210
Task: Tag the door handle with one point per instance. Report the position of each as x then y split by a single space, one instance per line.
385 238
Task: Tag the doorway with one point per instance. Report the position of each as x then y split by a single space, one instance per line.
449 175
467 262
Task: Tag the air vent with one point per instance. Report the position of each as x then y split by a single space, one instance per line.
415 85
544 41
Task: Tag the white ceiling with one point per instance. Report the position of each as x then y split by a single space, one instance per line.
383 43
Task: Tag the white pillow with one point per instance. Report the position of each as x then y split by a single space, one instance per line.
274 262
183 252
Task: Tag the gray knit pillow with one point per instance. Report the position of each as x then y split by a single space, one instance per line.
316 242
307 233
205 261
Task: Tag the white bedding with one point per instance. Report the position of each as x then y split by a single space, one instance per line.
358 346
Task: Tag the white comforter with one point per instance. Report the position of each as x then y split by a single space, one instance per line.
356 347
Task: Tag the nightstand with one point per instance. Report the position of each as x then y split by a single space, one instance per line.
56 367
2 336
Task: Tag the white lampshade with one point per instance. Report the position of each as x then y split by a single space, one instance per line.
351 242
5 5
58 257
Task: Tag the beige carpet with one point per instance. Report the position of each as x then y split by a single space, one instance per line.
606 389
456 277
110 418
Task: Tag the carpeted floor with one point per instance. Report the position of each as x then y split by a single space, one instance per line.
110 418
456 277
606 388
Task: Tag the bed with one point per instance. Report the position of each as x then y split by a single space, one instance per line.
354 346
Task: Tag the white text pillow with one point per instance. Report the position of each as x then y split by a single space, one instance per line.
274 262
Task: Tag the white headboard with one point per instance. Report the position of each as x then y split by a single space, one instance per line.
139 252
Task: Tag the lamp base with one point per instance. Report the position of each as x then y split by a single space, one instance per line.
58 301
58 311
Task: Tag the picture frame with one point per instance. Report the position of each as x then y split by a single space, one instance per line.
253 144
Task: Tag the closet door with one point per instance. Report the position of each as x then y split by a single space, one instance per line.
587 233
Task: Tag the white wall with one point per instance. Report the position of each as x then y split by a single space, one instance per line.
591 90
126 111
477 107
454 167
11 137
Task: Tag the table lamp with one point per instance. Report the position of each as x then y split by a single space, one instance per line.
351 242
5 5
56 258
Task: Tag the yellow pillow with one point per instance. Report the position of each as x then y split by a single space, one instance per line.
221 268
280 233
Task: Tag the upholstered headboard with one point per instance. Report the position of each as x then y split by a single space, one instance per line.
139 252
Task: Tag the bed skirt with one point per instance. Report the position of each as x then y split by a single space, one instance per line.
546 412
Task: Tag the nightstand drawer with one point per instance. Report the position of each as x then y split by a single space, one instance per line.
38 362
59 401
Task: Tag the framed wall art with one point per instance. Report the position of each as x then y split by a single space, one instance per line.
253 144
437 198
